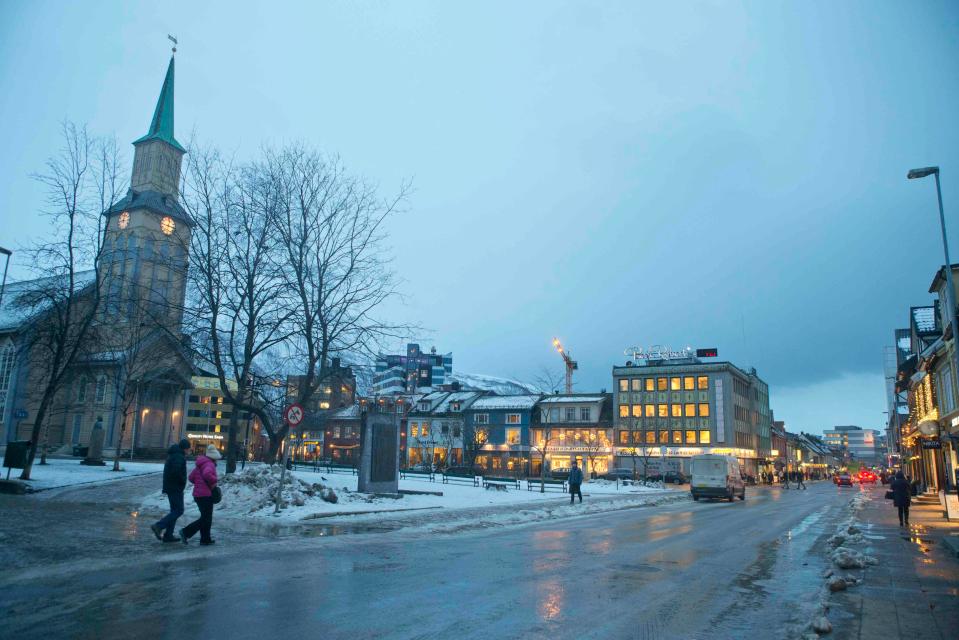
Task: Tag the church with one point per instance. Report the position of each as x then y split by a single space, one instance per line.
130 380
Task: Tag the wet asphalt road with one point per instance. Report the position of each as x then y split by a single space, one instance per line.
686 570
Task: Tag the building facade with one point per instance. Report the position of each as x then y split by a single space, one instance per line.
862 445
436 425
415 370
573 427
683 407
497 433
208 413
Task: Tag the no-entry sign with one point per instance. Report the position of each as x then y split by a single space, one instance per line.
294 415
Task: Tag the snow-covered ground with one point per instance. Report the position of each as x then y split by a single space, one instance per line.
65 473
251 494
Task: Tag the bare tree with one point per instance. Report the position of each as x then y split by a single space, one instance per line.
330 227
475 438
595 442
549 380
82 181
543 445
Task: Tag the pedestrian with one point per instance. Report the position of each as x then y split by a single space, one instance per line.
174 482
575 482
785 479
901 497
799 481
204 481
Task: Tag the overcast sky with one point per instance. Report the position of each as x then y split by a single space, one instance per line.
710 174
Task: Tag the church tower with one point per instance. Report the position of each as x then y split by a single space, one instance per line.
144 261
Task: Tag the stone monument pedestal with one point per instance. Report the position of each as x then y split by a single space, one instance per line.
95 451
379 469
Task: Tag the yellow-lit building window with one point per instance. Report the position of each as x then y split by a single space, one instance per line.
624 437
219 415
637 437
637 384
704 409
664 437
689 383
702 382
690 410
704 437
324 405
650 437
624 385
662 410
676 410
637 410
414 429
677 437
219 400
216 429
650 411
624 411
690 437
512 436
650 384
425 429
661 384
675 384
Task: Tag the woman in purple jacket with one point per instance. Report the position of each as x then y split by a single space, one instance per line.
204 479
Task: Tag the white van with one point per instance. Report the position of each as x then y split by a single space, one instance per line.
716 476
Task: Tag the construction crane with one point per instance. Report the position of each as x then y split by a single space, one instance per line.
571 364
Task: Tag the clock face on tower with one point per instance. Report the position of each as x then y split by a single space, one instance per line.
167 225
124 219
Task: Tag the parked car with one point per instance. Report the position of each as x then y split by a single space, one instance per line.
844 479
559 473
672 477
716 476
619 473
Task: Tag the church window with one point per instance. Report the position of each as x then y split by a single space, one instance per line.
77 425
6 370
101 391
148 248
82 390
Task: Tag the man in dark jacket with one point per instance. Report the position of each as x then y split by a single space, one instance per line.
174 482
901 497
575 482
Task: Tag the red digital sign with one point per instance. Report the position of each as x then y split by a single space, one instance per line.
711 352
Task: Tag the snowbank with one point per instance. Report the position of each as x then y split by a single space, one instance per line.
59 473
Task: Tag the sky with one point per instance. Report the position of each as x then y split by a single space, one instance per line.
710 174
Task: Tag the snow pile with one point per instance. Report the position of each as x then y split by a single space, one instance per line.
255 488
846 558
847 534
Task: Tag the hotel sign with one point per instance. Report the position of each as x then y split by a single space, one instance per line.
659 352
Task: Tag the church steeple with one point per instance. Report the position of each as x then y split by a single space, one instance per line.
161 127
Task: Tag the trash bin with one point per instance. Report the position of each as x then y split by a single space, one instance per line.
15 457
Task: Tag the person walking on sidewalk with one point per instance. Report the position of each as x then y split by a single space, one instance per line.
901 497
575 482
204 480
174 483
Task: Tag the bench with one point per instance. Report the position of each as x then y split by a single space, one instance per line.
341 468
407 473
547 485
452 477
505 482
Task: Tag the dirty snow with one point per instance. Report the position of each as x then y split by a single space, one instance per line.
60 472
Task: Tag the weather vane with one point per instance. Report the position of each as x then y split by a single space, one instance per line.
173 40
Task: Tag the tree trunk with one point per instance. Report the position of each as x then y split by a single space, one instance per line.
35 437
231 442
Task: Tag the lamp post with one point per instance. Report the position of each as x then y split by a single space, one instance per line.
3 284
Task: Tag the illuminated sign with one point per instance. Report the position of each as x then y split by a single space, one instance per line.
658 352
205 436
711 352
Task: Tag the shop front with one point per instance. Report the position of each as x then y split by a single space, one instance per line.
199 442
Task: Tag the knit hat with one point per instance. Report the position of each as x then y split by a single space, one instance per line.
212 452
184 444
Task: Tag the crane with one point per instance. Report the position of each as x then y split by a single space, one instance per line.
571 364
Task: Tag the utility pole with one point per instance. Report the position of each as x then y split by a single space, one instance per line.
571 365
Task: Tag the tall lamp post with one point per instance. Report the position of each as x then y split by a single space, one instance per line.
3 284
950 294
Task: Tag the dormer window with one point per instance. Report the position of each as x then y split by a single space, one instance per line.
454 406
424 406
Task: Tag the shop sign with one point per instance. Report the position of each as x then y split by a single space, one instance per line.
954 422
931 444
204 436
658 352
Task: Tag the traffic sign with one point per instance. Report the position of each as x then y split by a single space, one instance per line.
294 415
20 414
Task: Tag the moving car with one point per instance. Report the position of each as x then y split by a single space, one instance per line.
716 476
867 476
844 479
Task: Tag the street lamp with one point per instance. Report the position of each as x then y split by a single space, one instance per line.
950 290
3 284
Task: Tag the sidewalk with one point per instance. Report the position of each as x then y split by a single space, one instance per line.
914 591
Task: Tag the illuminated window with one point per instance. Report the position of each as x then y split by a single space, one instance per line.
650 384
425 430
675 384
704 409
689 383
414 429
677 437
512 418
512 436
690 410
324 405
664 437
704 437
661 384
690 437
623 385
624 437
650 411
637 384
637 410
624 411
702 382
637 437
676 410
662 410
650 437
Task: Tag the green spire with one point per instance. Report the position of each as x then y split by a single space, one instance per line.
161 128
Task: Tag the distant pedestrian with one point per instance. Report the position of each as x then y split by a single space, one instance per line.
204 480
799 481
575 482
785 479
901 497
174 482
